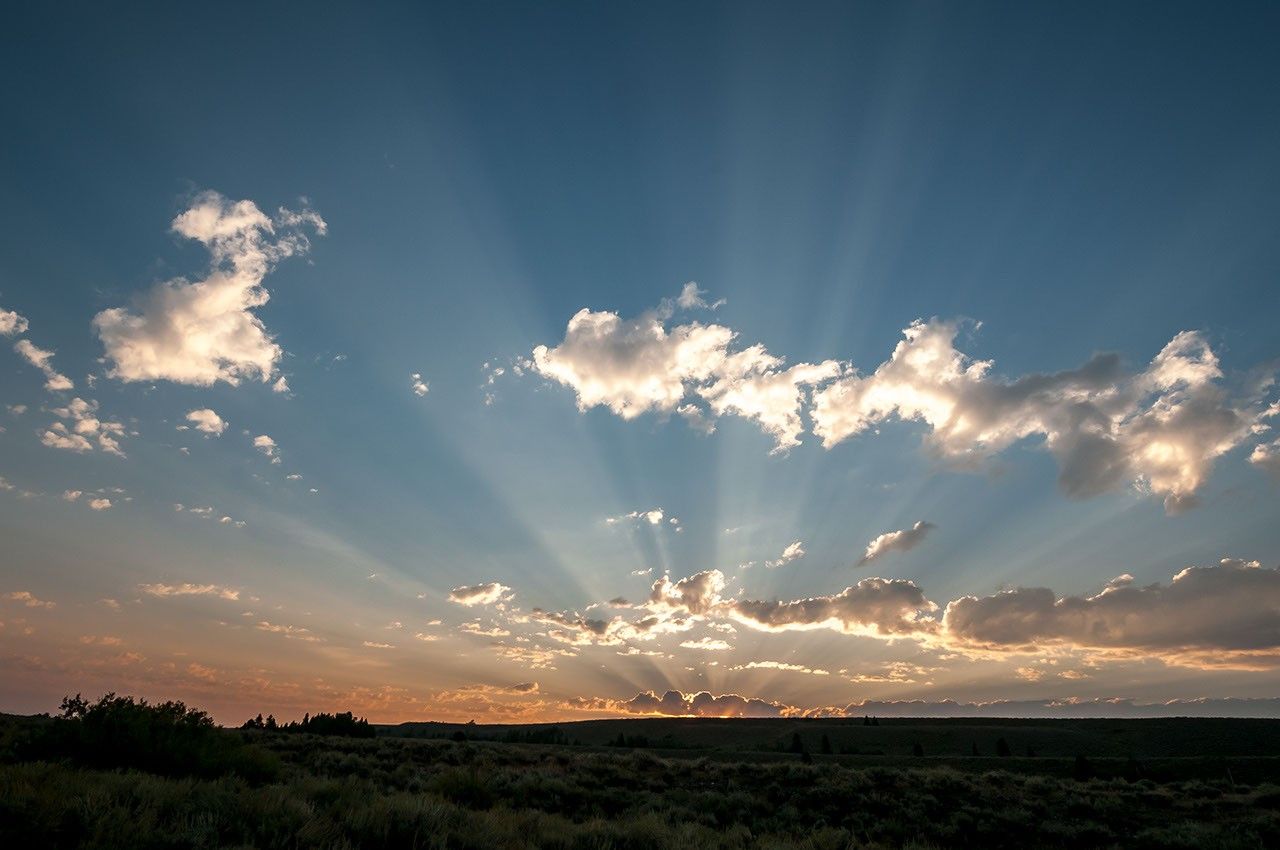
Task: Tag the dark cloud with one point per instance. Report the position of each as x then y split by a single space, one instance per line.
1227 614
885 607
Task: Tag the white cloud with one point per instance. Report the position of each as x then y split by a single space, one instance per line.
639 366
207 421
100 504
793 552
632 367
708 644
896 541
782 665
267 446
418 385
164 590
480 594
72 495
691 297
12 323
42 359
204 331
1266 456
653 516
82 428
1161 428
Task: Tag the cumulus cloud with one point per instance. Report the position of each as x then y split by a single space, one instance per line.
637 366
267 446
100 504
1224 615
875 607
1161 428
207 421
12 323
81 429
203 331
72 495
896 541
480 594
418 385
793 552
42 359
186 589
697 594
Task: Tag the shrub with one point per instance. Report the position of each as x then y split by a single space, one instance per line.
165 738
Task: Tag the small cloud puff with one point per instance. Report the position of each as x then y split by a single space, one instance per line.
896 541
480 594
793 552
207 421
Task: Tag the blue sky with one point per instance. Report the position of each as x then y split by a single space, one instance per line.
1036 185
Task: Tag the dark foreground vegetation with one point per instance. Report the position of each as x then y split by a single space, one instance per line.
118 773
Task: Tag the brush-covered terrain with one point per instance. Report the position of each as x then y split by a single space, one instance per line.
117 773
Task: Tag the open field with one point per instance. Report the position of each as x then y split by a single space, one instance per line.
703 783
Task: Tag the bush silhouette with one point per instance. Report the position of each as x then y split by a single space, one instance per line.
165 738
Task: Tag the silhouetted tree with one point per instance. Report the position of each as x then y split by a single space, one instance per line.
917 749
1002 748
797 745
826 745
973 748
1083 769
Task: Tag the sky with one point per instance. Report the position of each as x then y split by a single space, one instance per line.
524 362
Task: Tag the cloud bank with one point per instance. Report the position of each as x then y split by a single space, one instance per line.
1160 429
